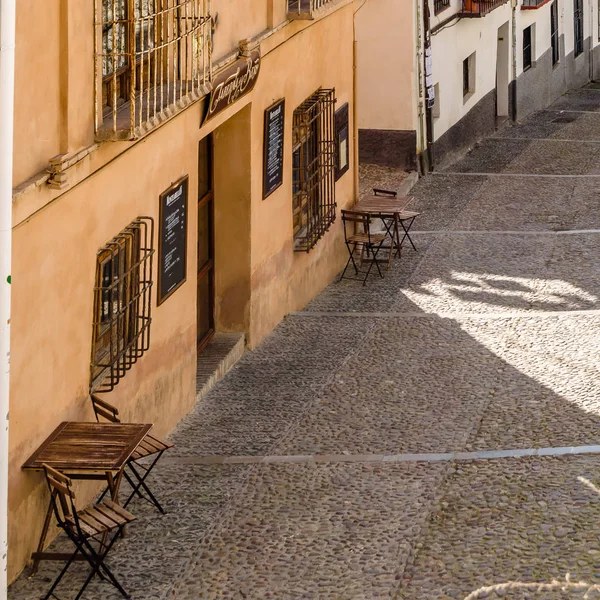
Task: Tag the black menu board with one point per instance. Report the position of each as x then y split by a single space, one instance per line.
273 146
172 240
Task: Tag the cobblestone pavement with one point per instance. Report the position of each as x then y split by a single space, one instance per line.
295 477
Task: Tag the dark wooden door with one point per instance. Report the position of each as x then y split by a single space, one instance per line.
206 265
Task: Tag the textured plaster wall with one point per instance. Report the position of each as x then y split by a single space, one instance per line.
53 279
450 47
386 65
283 280
57 234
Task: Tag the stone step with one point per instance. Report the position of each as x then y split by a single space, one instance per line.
219 356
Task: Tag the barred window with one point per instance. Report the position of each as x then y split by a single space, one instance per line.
554 32
313 168
578 24
440 5
527 48
304 9
152 59
121 331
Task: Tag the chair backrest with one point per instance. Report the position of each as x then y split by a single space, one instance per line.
388 193
61 489
105 410
357 219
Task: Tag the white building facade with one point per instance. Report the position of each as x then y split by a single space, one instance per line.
477 63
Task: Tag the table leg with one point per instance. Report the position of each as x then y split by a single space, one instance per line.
114 483
406 233
389 232
397 230
40 548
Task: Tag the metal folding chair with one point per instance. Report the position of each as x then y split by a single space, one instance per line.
406 218
150 446
369 243
85 526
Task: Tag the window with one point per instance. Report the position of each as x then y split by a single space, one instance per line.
121 332
578 18
469 72
436 109
440 5
554 39
313 169
303 9
153 59
527 49
342 145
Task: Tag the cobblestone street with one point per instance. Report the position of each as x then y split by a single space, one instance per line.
419 438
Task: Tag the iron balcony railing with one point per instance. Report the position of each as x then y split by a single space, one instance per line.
480 8
305 9
152 59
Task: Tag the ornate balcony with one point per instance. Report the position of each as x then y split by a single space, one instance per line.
480 8
533 4
152 60
304 9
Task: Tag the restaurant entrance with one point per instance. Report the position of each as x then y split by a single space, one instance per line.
205 281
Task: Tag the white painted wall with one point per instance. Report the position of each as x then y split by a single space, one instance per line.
450 47
457 40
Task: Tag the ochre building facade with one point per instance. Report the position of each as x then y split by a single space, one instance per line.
140 227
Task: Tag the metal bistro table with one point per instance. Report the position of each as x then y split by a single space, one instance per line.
387 209
89 451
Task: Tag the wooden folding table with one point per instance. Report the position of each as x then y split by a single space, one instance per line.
386 208
89 451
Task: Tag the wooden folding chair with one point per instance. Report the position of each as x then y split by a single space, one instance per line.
85 526
363 239
406 218
150 446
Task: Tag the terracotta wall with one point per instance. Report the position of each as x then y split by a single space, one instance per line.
54 260
57 234
387 89
284 280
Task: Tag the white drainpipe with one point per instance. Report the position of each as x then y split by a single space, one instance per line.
7 88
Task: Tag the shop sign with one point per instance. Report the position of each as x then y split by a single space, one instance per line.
273 147
233 83
172 239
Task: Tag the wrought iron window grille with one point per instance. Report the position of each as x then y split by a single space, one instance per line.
304 9
122 304
440 5
533 3
313 169
578 25
554 38
152 59
527 48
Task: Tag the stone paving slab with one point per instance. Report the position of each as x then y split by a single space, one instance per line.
550 391
378 294
526 520
316 531
555 124
505 273
519 156
268 389
413 387
375 176
442 198
579 100
157 548
550 205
